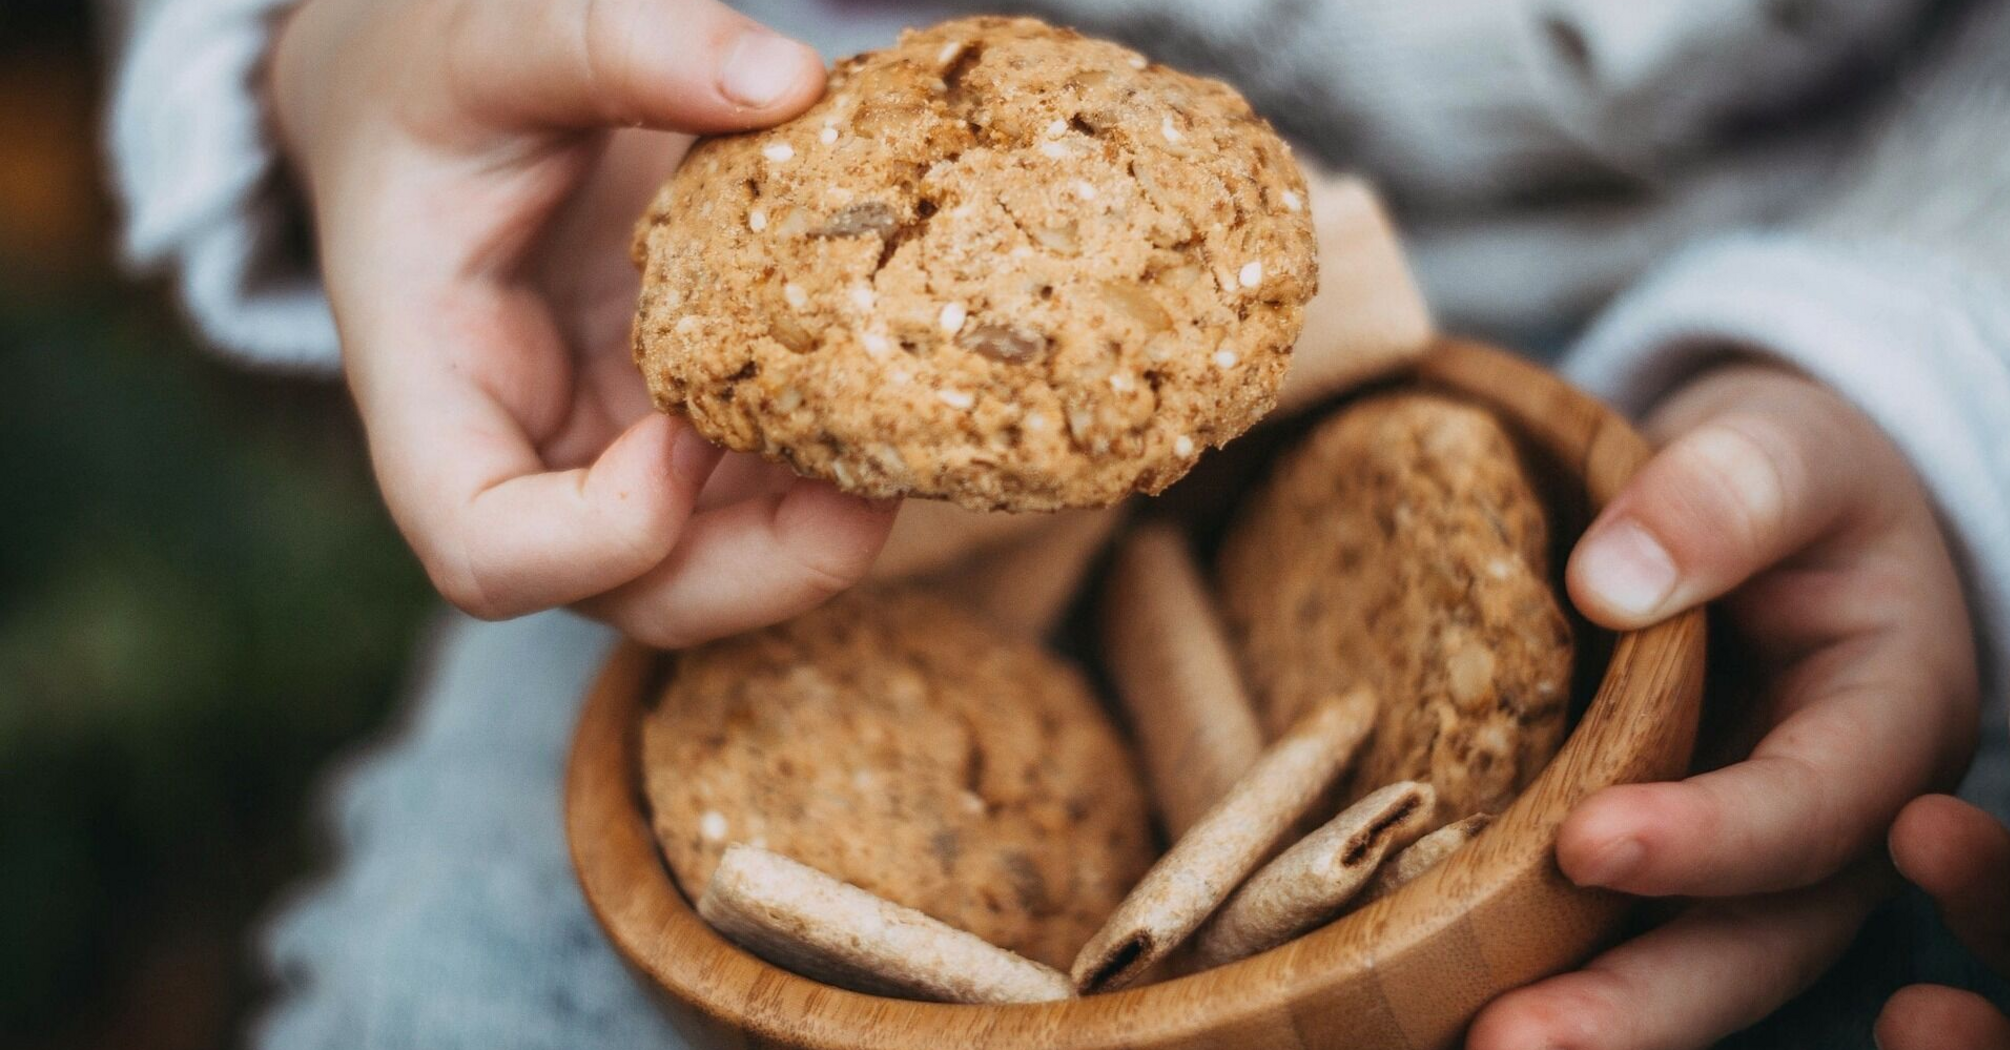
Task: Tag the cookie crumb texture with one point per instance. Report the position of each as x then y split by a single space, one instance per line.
1401 544
894 742
999 263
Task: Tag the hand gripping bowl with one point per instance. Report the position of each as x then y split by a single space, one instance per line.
1407 972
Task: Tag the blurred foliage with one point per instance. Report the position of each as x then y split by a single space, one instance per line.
199 598
201 601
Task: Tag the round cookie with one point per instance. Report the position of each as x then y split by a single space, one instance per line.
999 263
1402 544
895 742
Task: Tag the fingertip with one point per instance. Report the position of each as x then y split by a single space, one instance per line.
1717 505
1503 1025
751 563
767 75
1621 576
694 66
1898 1022
1562 1013
1922 840
842 532
1936 839
692 458
809 501
658 461
1604 841
645 485
1927 1017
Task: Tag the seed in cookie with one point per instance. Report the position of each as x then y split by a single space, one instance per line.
1025 211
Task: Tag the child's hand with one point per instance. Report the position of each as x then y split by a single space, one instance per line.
1961 857
1781 500
473 213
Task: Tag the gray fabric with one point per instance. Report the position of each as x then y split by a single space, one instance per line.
451 918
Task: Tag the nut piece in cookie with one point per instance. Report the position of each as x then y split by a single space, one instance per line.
895 742
1402 545
999 264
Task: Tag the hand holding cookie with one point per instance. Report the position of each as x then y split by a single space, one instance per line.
472 203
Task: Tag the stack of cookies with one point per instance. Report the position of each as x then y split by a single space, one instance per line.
1014 270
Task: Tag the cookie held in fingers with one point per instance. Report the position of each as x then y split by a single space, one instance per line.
803 920
1309 883
999 264
1402 545
898 743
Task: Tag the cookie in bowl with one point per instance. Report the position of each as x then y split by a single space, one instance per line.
1402 545
895 742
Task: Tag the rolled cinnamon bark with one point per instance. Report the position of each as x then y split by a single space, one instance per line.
1176 676
1226 844
1423 855
1308 884
804 920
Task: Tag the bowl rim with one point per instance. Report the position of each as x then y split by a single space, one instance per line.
1640 724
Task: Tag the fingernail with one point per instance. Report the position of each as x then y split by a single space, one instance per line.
761 67
1628 569
691 456
1611 864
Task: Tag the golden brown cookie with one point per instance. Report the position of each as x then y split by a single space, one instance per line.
1402 545
895 742
999 263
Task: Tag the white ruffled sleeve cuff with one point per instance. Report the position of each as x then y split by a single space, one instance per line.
197 171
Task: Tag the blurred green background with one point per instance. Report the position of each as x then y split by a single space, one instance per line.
201 602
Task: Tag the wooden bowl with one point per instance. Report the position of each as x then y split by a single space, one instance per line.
1408 971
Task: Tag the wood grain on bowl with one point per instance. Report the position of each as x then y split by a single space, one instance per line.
1407 972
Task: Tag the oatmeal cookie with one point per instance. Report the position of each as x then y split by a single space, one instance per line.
1402 545
999 263
892 741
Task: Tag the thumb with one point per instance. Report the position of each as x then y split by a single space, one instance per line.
672 65
1731 495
